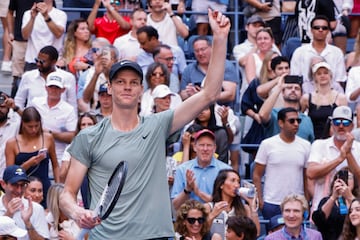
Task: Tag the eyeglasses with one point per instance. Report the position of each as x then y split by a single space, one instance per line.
203 49
95 49
324 28
192 221
169 59
39 61
292 120
157 74
117 3
344 122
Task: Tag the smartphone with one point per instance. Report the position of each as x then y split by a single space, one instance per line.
2 99
42 151
343 175
269 1
294 79
106 53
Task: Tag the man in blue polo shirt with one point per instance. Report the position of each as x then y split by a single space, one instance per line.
195 179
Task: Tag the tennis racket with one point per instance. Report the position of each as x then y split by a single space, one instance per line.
110 195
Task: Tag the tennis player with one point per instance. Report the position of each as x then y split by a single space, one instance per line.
143 210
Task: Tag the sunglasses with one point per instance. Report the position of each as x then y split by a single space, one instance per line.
292 120
157 74
39 61
344 122
321 27
117 3
192 221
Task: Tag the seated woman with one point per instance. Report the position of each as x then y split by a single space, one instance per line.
351 229
156 74
321 102
226 202
76 55
60 226
33 149
330 215
264 41
191 222
34 190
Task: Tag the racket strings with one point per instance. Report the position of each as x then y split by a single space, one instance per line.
111 190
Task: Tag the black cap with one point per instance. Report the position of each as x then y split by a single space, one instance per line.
125 64
14 174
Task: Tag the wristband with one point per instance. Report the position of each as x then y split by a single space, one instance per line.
186 191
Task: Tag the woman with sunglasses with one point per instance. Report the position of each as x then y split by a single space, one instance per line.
33 149
156 74
264 42
226 202
323 100
77 45
191 222
330 215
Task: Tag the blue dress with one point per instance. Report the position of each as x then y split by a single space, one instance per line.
40 171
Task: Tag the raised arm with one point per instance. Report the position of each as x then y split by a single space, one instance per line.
192 106
91 18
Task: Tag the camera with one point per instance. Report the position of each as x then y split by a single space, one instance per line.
294 79
248 189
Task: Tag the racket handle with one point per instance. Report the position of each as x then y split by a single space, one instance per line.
82 233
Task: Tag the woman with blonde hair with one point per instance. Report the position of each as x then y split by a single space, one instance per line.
60 226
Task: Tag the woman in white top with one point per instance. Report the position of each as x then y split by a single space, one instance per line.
60 226
264 42
156 74
226 202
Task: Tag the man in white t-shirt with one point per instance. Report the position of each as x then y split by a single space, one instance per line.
27 214
329 155
42 25
284 174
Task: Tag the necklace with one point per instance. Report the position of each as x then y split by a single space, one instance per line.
34 147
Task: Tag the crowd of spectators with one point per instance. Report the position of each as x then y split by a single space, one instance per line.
296 92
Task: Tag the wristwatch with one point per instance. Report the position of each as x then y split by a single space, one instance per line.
186 191
48 19
16 108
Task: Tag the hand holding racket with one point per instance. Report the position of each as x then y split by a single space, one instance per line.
109 196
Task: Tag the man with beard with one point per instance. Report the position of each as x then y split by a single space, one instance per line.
291 93
33 82
284 174
329 155
9 126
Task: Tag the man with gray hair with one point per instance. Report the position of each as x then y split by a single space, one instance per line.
329 155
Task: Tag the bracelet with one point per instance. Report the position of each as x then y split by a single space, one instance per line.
29 228
48 19
186 191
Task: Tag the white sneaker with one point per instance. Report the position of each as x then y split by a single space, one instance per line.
6 66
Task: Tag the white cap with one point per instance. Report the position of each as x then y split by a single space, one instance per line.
161 91
320 65
8 227
342 112
55 79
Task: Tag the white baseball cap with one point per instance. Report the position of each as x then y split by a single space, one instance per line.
161 91
55 79
8 227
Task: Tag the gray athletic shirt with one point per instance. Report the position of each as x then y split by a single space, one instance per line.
143 210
